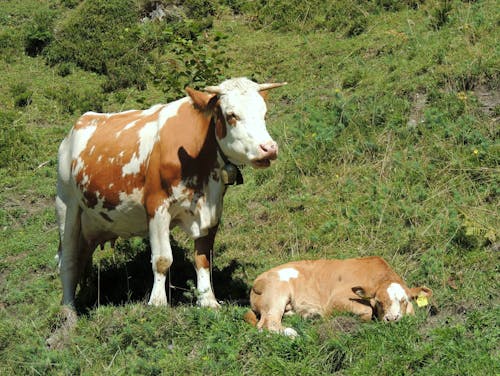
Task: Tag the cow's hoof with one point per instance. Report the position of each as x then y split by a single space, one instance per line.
208 301
61 335
158 301
290 332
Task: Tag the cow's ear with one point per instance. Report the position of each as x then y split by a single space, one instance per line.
424 291
362 293
200 99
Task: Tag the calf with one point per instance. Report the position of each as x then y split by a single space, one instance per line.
367 287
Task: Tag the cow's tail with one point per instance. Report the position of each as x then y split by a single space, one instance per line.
250 317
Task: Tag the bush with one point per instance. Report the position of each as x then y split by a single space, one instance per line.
130 45
21 94
96 36
39 32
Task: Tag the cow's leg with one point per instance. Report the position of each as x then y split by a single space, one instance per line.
68 252
364 311
203 247
69 262
161 254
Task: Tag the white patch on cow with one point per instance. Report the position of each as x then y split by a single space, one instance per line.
288 273
79 139
121 154
111 185
136 195
148 135
92 149
151 110
196 213
99 158
396 294
160 248
85 180
128 126
206 297
203 279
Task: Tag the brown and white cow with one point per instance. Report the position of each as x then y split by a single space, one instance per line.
139 173
367 287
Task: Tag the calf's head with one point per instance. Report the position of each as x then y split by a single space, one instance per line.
239 111
391 301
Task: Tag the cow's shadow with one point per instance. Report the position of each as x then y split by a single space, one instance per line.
131 281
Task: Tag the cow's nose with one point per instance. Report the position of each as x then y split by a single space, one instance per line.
269 150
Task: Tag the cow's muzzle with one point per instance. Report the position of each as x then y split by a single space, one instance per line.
267 152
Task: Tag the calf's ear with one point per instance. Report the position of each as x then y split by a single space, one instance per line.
362 293
415 292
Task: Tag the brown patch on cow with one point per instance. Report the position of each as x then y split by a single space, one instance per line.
90 199
192 153
162 265
110 148
106 217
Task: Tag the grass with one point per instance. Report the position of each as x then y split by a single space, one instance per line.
386 148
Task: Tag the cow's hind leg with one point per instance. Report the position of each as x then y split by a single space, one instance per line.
271 301
68 252
203 249
161 254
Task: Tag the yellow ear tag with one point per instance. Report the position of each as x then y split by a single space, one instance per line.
422 301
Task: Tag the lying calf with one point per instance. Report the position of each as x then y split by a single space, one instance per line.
366 286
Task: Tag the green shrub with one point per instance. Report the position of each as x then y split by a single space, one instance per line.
96 36
39 32
21 94
117 39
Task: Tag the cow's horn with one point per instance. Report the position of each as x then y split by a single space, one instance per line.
271 86
213 89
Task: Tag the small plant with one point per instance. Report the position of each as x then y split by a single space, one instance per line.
21 94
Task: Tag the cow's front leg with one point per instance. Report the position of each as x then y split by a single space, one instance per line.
161 254
203 247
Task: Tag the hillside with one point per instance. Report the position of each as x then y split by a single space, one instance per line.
389 145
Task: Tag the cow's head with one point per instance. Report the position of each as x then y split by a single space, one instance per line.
391 301
239 111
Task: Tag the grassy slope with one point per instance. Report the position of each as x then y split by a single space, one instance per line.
352 179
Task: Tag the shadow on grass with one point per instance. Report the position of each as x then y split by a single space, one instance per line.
131 281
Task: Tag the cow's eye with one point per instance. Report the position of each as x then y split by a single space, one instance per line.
232 118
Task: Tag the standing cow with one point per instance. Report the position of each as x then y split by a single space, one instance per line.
139 173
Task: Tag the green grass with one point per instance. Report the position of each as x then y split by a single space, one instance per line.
365 168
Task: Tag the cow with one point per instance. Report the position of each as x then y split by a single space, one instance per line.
367 287
142 172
